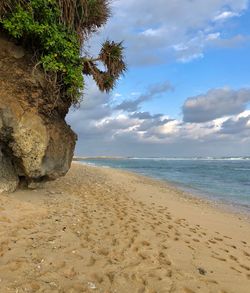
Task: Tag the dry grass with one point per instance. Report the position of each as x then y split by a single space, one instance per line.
84 16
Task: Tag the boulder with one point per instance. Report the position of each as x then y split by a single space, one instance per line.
36 142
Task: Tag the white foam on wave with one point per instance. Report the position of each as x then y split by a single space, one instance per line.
192 159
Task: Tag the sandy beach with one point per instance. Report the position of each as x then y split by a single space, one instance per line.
104 230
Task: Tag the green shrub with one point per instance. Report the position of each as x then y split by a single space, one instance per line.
55 30
58 47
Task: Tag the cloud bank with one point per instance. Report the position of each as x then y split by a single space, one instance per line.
214 104
179 30
153 92
214 123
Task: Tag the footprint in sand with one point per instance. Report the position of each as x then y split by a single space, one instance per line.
218 239
218 258
247 268
212 241
196 240
236 270
233 258
163 260
225 250
103 251
246 253
188 290
97 278
91 262
232 246
145 243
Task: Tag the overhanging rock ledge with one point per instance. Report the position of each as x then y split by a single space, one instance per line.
36 144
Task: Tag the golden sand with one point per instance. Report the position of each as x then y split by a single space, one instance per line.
103 230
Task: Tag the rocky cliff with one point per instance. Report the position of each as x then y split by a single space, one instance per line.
36 144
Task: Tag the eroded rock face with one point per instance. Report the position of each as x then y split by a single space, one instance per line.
33 133
8 176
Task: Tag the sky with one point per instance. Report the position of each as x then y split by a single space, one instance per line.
187 89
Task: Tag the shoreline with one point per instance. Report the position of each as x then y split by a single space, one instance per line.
106 230
224 206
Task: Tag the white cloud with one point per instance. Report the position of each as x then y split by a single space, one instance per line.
225 15
213 36
117 95
244 114
156 32
103 130
214 104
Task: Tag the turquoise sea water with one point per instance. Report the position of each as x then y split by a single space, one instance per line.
226 180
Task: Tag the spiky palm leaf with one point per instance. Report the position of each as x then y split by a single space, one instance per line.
111 56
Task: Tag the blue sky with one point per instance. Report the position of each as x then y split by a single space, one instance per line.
218 68
185 59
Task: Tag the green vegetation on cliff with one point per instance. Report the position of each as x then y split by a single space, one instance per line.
55 31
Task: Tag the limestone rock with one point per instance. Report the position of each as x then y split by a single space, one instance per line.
33 131
8 177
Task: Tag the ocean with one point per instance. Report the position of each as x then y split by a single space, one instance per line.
224 180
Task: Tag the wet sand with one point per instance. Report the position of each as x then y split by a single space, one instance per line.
104 230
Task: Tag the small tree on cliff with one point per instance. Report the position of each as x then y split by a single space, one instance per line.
55 31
